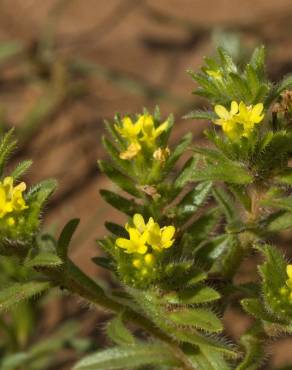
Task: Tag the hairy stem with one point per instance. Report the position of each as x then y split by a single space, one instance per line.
76 282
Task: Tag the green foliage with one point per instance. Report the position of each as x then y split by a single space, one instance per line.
193 215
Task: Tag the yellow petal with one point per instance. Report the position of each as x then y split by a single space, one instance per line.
161 129
139 222
289 271
168 232
221 111
234 108
124 243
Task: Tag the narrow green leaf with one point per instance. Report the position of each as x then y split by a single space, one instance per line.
124 182
20 169
127 206
193 200
226 203
117 332
18 292
282 203
116 229
186 173
177 152
65 238
128 357
45 259
197 317
194 295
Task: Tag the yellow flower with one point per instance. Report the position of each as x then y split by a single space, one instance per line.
11 198
150 133
248 116
216 74
136 242
227 118
240 120
131 152
160 238
144 236
129 129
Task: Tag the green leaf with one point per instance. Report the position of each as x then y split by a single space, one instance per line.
277 221
42 191
115 155
210 343
226 203
18 292
197 317
44 259
118 333
193 200
128 357
194 295
205 359
65 238
282 203
7 145
285 177
200 230
226 60
127 206
124 182
213 250
116 229
258 61
20 169
177 152
186 173
253 342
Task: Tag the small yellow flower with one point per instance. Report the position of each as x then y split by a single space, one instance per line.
248 116
160 238
216 74
144 237
240 120
131 152
129 129
136 242
11 198
150 133
227 118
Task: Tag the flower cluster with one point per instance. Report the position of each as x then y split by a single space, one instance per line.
145 240
287 290
11 199
240 120
139 133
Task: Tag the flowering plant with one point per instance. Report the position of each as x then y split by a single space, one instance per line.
190 226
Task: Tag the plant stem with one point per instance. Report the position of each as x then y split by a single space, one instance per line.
76 282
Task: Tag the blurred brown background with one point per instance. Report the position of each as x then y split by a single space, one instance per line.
75 63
